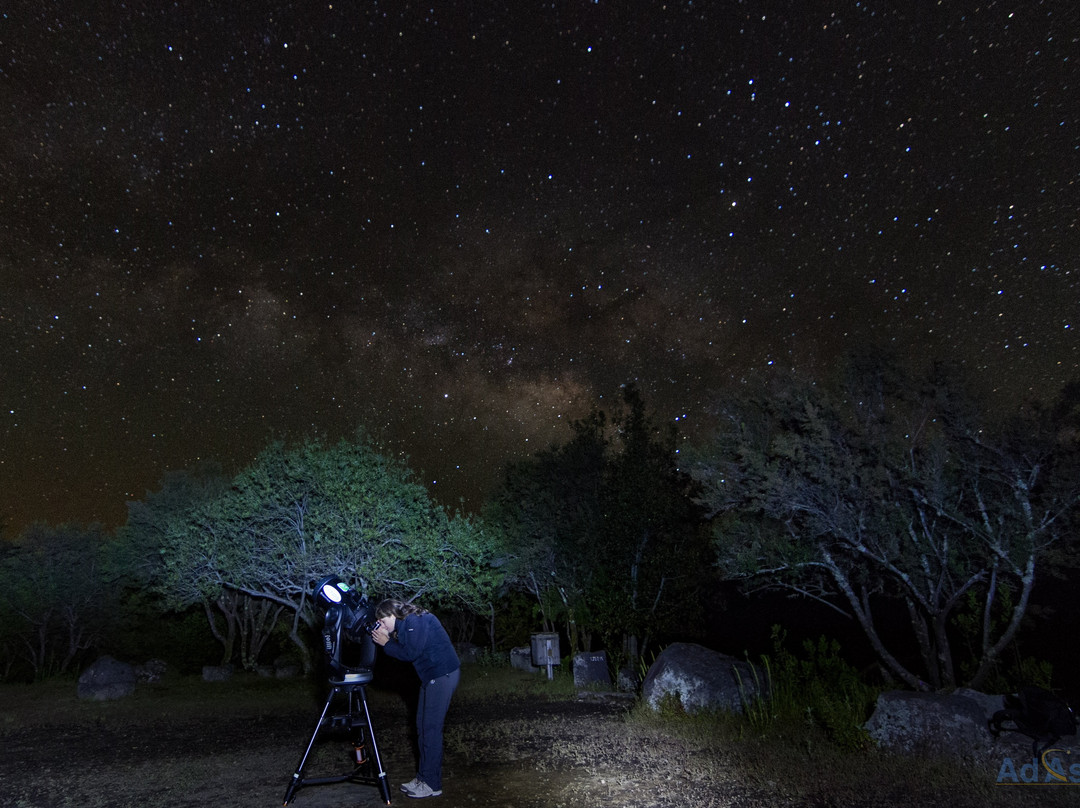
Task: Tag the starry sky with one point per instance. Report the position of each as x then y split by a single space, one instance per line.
462 224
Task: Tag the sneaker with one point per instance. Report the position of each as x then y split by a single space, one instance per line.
423 790
412 784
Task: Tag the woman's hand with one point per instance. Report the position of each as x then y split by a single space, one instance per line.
380 635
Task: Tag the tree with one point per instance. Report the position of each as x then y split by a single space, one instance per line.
547 513
141 538
140 553
603 530
298 514
889 491
652 549
56 595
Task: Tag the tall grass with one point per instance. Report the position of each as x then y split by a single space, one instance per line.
813 695
800 739
818 690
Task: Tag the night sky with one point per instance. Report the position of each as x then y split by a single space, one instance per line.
462 224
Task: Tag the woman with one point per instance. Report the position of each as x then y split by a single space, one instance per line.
412 634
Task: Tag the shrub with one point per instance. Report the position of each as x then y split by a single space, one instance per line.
820 690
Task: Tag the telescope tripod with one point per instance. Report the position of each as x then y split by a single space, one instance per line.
368 769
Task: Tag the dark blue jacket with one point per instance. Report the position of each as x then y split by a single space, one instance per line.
423 641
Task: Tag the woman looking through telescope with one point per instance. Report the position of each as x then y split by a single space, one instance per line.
415 635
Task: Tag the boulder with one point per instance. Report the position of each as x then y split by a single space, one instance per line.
990 704
106 679
591 669
217 673
702 679
287 670
521 659
287 666
931 724
627 680
153 670
468 653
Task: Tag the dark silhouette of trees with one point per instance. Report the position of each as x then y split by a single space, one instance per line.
881 493
892 490
57 596
233 617
603 530
546 511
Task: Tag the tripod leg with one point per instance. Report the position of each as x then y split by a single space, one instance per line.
384 785
298 776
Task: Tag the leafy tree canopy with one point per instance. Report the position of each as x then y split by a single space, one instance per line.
893 489
300 513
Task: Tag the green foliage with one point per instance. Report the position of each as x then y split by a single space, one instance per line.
819 689
757 700
644 664
755 695
670 706
486 658
1029 670
1011 669
298 514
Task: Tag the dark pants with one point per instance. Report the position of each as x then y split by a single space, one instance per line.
430 716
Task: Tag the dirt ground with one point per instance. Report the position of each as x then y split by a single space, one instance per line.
213 746
508 752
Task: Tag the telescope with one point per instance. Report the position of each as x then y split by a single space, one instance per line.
348 620
348 616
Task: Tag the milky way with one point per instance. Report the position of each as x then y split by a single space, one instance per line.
461 225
